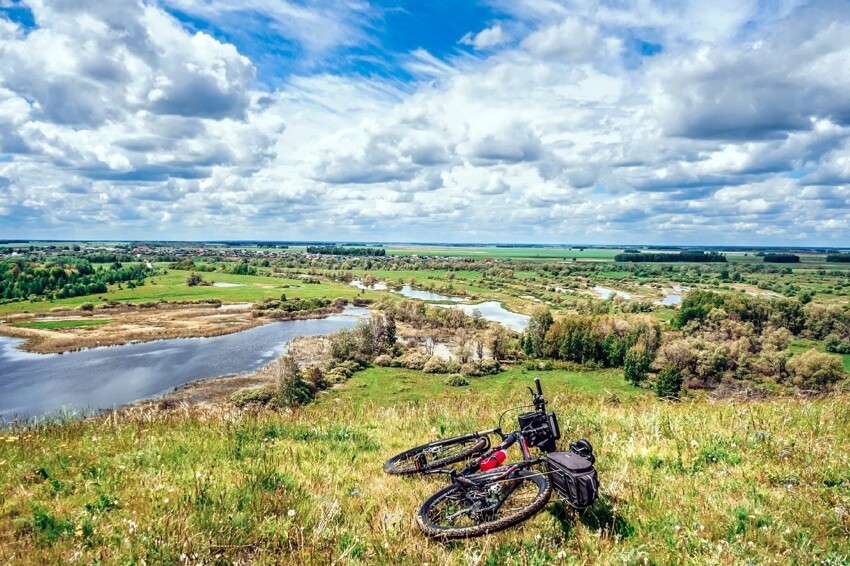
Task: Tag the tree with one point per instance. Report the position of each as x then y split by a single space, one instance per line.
497 342
291 388
815 370
669 383
636 365
194 279
535 334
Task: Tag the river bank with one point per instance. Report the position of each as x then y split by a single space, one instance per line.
72 330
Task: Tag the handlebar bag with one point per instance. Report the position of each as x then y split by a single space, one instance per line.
574 478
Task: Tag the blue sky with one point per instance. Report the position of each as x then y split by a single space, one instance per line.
500 120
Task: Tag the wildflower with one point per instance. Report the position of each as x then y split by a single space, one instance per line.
290 513
165 500
562 554
694 443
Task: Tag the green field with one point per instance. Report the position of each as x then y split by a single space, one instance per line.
172 287
54 324
694 482
484 252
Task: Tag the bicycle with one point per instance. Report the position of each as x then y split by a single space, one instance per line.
485 496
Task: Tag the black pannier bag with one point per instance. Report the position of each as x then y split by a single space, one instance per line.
546 430
574 478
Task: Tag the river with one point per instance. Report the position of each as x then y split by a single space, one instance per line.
33 385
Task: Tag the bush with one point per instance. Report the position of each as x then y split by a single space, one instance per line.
489 367
194 279
383 361
253 396
669 383
413 360
456 380
836 345
436 365
477 368
470 369
636 365
815 370
86 307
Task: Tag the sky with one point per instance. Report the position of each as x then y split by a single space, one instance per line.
536 121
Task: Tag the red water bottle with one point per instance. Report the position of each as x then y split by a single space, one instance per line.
493 460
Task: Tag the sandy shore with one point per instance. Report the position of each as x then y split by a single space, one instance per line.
133 324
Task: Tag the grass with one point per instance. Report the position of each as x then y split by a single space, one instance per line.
172 287
800 345
692 482
54 324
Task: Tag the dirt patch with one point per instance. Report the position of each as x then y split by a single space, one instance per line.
164 321
307 351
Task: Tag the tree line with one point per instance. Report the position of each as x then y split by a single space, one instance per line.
696 256
341 250
77 277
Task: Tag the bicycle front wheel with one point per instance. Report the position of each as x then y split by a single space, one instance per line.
457 512
436 455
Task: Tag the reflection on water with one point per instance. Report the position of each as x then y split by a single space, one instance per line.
606 293
379 286
492 310
409 292
100 378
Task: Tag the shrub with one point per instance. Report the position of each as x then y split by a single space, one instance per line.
456 380
815 370
413 360
489 367
194 279
836 345
253 396
383 361
87 307
470 369
669 383
436 365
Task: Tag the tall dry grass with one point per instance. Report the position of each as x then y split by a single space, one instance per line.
696 482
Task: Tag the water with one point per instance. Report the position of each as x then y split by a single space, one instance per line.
670 299
379 286
492 310
409 292
607 293
222 284
101 378
412 293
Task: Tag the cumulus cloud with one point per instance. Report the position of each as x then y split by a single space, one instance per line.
486 38
572 40
118 119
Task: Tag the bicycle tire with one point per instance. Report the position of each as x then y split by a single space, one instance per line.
403 464
429 511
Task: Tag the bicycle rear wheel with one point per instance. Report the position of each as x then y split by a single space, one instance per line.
436 455
457 512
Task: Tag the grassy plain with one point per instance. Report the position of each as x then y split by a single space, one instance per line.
54 324
172 287
683 483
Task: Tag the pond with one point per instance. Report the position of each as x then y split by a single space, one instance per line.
606 293
670 299
409 292
494 311
379 286
32 385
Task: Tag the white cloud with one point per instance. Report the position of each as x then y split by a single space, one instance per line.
486 38
572 40
115 121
